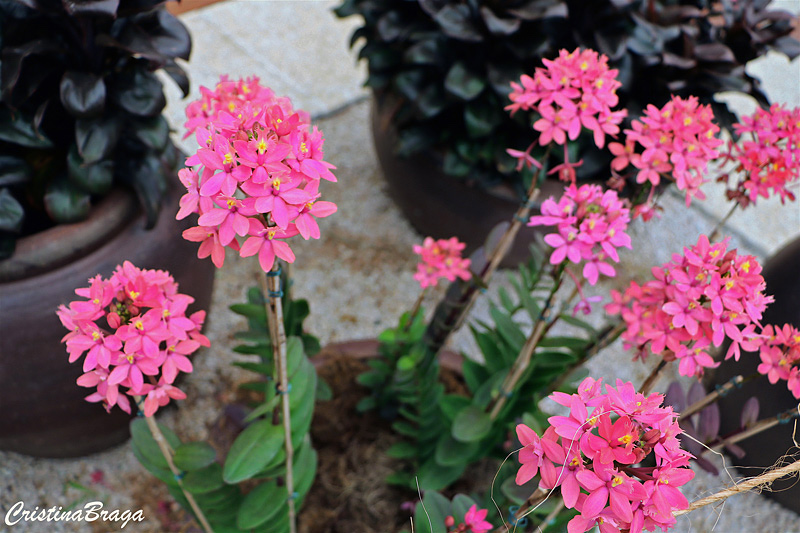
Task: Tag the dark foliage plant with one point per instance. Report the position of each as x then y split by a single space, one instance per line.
442 68
80 107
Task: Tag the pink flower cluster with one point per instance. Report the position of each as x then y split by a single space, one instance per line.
259 168
591 456
474 522
780 356
677 141
573 91
591 226
441 259
770 159
696 300
129 326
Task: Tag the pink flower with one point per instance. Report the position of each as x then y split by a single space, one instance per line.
133 328
591 226
268 244
475 520
768 159
676 141
574 91
441 259
258 162
696 300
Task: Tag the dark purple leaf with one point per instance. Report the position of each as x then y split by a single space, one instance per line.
540 9
14 57
83 93
13 170
696 393
391 26
749 413
156 36
19 129
787 45
96 138
478 260
11 212
463 83
94 178
425 52
672 60
612 44
714 52
140 93
735 450
146 176
675 397
65 202
456 21
178 75
708 424
497 25
92 8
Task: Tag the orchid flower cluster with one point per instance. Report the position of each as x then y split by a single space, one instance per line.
441 259
129 326
677 141
597 452
258 174
696 300
780 356
770 159
591 226
574 91
474 522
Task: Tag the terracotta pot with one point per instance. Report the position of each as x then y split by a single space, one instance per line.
42 411
442 206
763 450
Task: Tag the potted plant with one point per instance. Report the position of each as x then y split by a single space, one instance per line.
615 455
85 164
441 74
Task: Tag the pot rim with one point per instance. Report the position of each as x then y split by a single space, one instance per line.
52 248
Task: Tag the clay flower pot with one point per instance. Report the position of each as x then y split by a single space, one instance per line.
43 412
442 206
763 450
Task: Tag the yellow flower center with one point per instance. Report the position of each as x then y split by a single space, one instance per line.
231 202
129 357
231 106
729 284
575 461
261 146
714 254
584 65
271 234
276 184
133 295
598 84
245 88
138 324
687 121
746 266
95 335
625 439
165 313
304 148
228 159
617 481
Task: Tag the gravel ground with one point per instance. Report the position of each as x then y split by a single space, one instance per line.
358 277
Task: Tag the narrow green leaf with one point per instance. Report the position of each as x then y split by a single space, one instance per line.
194 456
471 424
251 450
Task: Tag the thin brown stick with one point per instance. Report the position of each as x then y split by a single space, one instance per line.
652 378
758 427
417 305
168 452
538 496
744 486
526 354
715 233
711 397
278 338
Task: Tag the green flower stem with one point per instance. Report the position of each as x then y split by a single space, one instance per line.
274 310
168 452
758 427
523 360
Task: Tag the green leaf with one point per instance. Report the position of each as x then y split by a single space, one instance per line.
461 504
423 53
509 330
295 357
433 476
454 165
305 468
153 132
94 178
554 359
471 424
481 119
577 322
474 374
463 83
259 368
11 212
571 343
402 450
65 203
452 404
450 452
366 404
82 93
303 384
146 444
324 392
194 456
261 504
204 480
18 129
255 311
252 450
431 511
